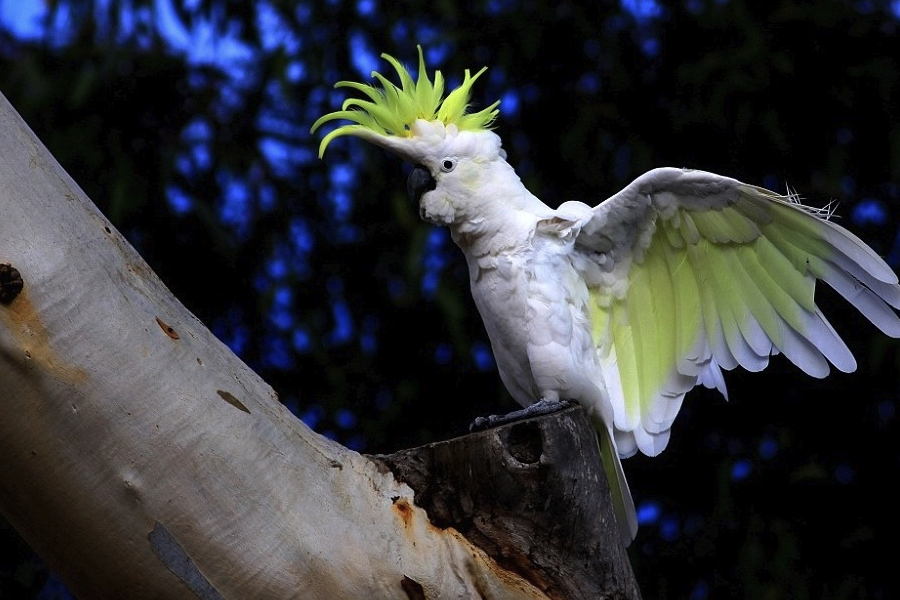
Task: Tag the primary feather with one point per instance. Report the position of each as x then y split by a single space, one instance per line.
628 305
690 272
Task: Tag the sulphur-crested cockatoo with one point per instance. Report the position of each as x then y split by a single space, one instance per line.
627 305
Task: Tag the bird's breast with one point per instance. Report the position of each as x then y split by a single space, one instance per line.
531 308
500 291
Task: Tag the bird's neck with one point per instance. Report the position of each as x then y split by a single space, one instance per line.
505 225
499 216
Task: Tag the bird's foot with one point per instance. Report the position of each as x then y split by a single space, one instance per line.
539 408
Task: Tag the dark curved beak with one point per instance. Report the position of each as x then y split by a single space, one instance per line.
419 182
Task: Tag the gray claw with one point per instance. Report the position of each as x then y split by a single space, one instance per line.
539 408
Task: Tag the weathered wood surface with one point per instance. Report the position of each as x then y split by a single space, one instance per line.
143 459
533 496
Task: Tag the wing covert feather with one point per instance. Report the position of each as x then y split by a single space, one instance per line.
693 271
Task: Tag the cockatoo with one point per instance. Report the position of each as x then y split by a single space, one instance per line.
627 305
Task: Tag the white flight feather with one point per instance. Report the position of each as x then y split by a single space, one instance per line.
730 332
727 277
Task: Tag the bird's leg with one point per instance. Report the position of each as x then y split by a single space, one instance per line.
539 408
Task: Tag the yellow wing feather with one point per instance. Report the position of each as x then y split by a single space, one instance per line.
727 278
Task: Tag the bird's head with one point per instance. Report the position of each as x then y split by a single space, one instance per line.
453 152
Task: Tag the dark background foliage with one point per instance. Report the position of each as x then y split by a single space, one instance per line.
188 124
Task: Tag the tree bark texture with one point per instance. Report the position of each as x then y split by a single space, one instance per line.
533 496
142 459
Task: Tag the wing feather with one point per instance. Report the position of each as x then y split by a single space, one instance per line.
731 307
694 272
688 319
870 303
643 341
713 324
658 415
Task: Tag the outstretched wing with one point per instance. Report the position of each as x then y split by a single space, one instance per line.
689 272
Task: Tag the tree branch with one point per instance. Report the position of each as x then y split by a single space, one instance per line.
143 459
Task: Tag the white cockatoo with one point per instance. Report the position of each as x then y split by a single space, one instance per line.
627 305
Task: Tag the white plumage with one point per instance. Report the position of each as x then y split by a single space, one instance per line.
628 305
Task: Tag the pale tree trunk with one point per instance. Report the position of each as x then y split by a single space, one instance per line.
142 459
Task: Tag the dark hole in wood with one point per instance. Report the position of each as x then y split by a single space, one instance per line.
525 443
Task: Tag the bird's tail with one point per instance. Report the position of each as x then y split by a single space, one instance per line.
626 516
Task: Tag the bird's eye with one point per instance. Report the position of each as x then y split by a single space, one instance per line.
448 164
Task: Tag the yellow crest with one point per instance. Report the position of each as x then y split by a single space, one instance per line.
392 110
